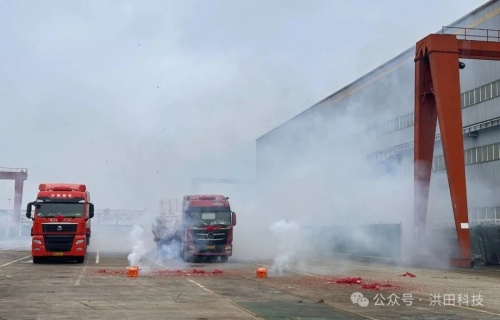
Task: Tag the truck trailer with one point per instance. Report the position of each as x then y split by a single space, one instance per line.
61 221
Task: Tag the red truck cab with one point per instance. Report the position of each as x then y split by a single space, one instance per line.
61 221
207 227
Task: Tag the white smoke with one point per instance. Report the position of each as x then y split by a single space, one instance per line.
138 247
291 238
251 91
169 251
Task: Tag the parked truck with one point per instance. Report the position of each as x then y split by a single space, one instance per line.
205 230
61 221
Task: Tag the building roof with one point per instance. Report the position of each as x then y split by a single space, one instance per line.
381 71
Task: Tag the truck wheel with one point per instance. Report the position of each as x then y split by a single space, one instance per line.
37 260
80 259
224 258
186 257
88 240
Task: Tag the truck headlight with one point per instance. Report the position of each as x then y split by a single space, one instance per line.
79 241
228 248
37 241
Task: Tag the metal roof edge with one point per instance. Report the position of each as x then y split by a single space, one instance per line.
373 72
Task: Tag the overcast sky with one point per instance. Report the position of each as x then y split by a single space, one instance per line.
134 98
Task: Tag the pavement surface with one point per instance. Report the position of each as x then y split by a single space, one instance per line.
100 288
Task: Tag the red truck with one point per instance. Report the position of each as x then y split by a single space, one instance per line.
61 221
207 227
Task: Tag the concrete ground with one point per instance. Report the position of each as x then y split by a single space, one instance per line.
170 289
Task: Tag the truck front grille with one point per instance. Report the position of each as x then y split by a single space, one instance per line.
58 243
215 237
59 227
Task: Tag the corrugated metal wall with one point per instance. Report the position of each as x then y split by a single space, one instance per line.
385 98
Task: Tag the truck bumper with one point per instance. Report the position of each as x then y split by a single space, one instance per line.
217 250
58 246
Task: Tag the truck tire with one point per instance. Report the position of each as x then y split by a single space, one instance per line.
37 260
80 259
224 258
186 257
189 258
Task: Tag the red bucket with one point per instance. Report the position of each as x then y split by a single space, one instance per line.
133 272
261 273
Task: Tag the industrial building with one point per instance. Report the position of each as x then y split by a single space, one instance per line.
381 105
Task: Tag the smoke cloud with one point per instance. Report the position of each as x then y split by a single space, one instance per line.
135 99
138 249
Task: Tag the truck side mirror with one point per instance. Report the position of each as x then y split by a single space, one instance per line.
28 210
233 218
91 210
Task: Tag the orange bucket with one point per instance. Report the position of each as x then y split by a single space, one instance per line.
261 273
133 272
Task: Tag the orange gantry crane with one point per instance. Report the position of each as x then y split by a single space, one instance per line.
437 97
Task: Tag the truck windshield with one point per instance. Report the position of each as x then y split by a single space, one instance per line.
53 209
209 218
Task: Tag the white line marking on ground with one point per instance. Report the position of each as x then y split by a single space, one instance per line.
6 264
312 275
468 308
13 248
221 297
161 265
201 286
80 275
97 257
213 292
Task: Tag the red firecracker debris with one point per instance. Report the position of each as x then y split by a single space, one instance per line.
198 271
373 286
349 280
377 286
365 285
408 274
167 273
112 272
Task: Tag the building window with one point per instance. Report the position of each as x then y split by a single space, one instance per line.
468 98
480 154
